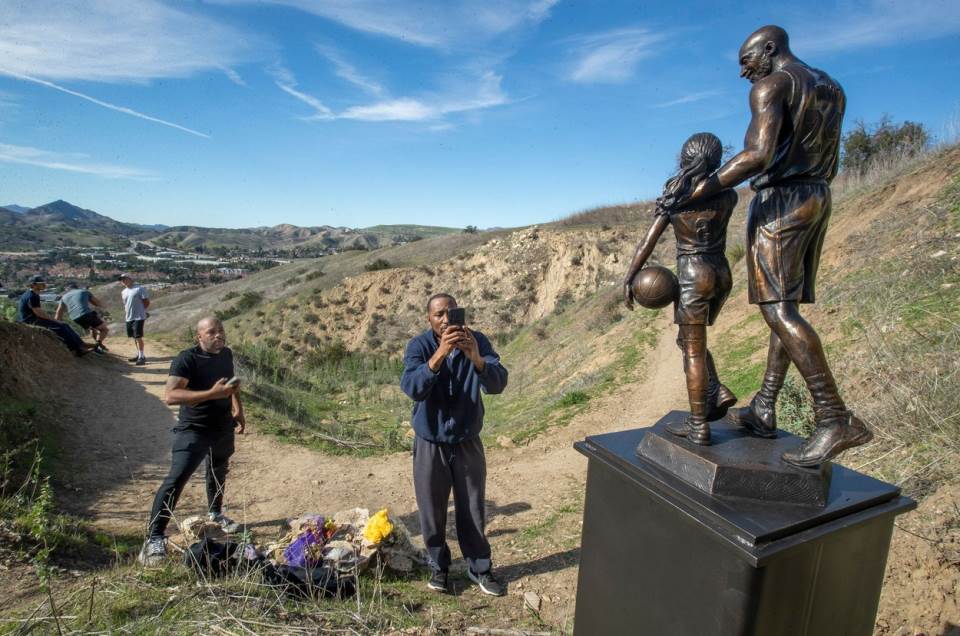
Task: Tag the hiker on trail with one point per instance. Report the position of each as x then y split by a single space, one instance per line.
77 303
444 369
136 300
704 280
210 412
30 312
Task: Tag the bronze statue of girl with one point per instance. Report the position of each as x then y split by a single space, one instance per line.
703 274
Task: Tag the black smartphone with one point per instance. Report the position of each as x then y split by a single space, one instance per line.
457 316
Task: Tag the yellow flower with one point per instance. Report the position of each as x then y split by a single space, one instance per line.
378 528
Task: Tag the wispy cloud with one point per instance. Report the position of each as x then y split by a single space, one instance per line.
108 105
348 72
233 76
485 92
70 162
105 41
436 23
286 82
877 23
612 56
689 98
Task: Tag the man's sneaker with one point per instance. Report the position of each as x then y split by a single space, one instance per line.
226 524
438 581
140 362
153 552
488 583
133 359
100 349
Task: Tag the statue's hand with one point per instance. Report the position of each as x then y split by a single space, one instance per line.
628 293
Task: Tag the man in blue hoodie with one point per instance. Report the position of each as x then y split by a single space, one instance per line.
444 369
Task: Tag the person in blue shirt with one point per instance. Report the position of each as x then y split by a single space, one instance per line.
30 312
444 370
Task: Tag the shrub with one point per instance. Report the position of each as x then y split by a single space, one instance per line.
865 146
470 229
379 264
314 275
572 398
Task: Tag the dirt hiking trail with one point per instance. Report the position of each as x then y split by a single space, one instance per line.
117 440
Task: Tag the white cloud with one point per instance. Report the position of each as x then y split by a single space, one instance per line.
689 98
877 23
114 41
348 72
108 105
70 162
612 56
436 23
485 92
286 82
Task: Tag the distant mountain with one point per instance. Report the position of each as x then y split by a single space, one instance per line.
60 223
19 209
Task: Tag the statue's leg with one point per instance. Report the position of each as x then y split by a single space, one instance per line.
719 397
693 342
837 428
760 418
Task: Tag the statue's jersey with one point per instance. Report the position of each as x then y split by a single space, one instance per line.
808 146
701 228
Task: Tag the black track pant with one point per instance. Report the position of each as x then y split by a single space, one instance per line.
190 447
438 468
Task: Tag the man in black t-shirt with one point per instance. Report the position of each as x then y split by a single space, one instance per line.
210 409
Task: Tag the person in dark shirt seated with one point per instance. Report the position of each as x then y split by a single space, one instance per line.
30 312
202 382
444 369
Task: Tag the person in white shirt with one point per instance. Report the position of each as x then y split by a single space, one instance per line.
135 303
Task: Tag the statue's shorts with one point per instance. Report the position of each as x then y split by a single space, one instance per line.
785 230
704 286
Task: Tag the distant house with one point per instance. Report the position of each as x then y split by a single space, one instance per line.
232 272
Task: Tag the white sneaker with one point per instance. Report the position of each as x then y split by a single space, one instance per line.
227 524
153 552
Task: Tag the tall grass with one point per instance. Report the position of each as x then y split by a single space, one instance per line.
339 400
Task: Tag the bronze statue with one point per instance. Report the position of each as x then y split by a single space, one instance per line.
703 277
791 153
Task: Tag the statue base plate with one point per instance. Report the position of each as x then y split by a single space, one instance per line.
736 464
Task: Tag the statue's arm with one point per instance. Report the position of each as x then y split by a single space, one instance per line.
644 250
768 99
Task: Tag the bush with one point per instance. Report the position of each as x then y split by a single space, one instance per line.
247 301
314 275
865 146
470 229
572 398
380 263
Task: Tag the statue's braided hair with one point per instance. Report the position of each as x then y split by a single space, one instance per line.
699 157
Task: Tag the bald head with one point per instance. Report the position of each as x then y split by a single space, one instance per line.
207 322
764 51
210 335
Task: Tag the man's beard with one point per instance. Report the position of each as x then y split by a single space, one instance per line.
762 68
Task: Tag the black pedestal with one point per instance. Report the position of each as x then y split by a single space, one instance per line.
660 556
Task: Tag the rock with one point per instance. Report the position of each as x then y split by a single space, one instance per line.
505 442
938 254
531 600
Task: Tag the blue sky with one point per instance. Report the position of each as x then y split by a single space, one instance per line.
238 113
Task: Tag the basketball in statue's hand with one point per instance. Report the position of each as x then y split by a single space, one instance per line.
655 287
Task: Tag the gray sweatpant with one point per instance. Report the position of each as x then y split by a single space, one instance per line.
438 468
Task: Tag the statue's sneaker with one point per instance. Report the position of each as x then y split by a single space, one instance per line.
760 419
829 440
694 433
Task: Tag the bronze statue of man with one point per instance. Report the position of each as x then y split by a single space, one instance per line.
791 154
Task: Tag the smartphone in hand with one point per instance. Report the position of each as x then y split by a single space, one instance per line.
457 316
